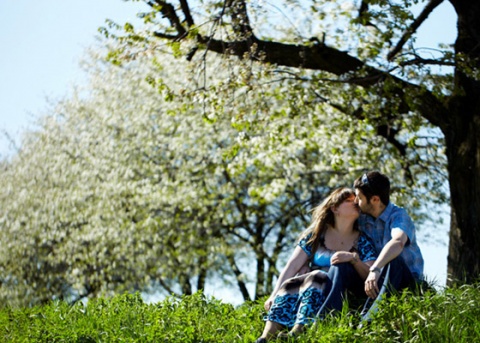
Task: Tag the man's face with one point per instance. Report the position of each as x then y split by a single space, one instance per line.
362 202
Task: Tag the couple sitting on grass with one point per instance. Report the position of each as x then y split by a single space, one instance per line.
338 253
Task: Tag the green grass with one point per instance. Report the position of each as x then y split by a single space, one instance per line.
449 316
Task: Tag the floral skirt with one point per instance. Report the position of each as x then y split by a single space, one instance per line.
299 299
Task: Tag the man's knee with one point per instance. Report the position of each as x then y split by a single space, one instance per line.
397 263
342 271
399 276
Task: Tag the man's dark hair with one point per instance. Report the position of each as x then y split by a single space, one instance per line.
374 183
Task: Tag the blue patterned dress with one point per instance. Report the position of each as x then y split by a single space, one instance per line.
299 298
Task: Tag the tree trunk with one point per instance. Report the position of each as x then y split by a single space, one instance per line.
260 254
464 180
185 283
462 135
260 285
202 275
242 286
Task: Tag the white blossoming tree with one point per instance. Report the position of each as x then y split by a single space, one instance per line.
166 174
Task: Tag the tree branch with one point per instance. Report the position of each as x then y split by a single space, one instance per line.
240 20
166 287
187 13
166 36
413 28
313 56
419 60
322 57
169 12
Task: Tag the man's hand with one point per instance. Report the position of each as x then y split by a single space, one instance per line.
371 284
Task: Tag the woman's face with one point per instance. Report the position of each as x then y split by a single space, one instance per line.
349 208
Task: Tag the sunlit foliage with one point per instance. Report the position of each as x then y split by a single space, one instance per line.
164 174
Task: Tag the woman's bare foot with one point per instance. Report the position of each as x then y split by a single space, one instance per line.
270 330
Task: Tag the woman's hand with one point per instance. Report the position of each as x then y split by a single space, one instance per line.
268 303
341 257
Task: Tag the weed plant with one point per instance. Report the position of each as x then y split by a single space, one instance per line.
452 315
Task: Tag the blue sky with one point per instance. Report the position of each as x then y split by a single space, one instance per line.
41 44
43 41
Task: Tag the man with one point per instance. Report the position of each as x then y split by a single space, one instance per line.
392 232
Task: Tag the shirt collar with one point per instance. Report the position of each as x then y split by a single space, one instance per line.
386 212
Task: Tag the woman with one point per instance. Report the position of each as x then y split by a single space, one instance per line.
332 238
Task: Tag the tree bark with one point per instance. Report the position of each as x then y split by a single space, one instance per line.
462 135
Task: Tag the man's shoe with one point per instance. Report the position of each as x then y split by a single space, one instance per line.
261 340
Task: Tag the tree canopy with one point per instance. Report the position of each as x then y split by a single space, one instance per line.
365 52
169 174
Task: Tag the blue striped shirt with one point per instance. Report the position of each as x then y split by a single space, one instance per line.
380 232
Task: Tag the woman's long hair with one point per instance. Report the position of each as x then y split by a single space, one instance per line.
322 216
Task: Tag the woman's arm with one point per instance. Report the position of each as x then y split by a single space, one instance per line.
294 264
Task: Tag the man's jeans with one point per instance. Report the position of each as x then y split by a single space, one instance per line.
344 277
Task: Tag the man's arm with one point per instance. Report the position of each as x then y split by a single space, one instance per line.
392 249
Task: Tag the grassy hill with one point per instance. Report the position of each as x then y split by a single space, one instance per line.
449 316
